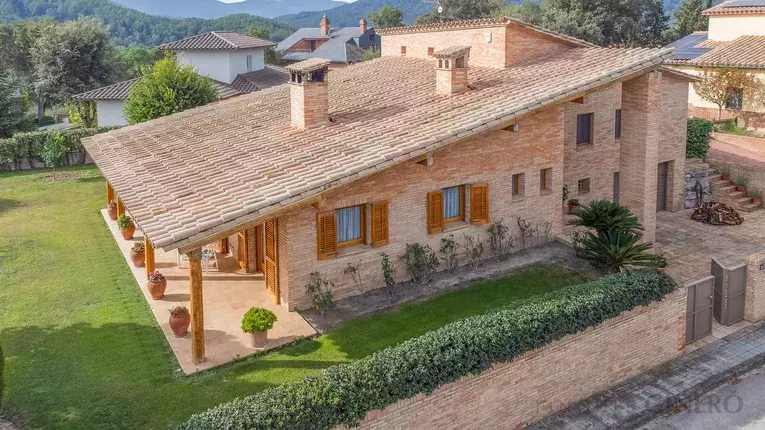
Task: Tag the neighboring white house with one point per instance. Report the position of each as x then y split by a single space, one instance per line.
736 39
235 62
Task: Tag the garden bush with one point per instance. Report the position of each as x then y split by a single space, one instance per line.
30 145
698 138
342 394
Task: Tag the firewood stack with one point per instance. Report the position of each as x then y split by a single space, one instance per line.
716 213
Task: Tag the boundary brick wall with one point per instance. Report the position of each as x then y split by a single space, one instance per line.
749 143
747 119
547 380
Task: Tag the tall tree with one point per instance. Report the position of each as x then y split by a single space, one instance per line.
132 59
460 9
13 108
722 86
689 18
167 88
388 16
271 55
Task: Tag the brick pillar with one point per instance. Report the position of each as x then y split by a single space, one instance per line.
755 287
309 104
451 81
641 117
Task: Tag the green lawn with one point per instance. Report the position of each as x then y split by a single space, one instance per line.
83 350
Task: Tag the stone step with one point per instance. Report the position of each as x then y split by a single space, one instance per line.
743 200
722 187
715 178
733 195
749 207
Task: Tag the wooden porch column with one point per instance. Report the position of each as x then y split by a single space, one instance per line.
109 193
197 307
120 207
149 255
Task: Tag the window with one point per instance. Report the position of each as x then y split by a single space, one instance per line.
454 204
448 205
584 129
431 51
583 186
518 187
545 180
618 124
249 63
350 226
313 45
736 99
371 37
403 50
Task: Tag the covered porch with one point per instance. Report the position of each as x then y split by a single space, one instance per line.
217 297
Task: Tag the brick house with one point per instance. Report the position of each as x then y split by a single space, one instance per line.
736 39
459 124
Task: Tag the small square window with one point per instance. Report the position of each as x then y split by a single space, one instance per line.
583 186
350 226
545 180
618 124
454 204
431 51
403 50
584 129
518 185
371 37
735 99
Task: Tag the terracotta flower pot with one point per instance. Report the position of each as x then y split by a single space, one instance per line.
572 208
127 233
757 200
157 289
726 177
138 257
741 188
113 213
259 338
180 325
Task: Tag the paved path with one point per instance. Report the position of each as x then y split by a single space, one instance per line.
640 399
739 404
720 150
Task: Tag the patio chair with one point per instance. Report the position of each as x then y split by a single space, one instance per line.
207 252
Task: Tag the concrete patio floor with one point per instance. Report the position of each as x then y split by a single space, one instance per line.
227 295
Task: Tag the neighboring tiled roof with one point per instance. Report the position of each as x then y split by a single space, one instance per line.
679 74
736 7
308 65
480 23
340 46
260 79
211 169
744 52
118 91
452 51
215 41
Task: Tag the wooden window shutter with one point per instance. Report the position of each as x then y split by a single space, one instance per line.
479 203
379 224
435 212
326 235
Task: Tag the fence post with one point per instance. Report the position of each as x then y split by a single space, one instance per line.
755 287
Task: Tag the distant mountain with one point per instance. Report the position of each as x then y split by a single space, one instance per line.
132 28
216 9
349 15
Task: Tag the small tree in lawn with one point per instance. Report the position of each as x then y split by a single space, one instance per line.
167 88
721 86
54 150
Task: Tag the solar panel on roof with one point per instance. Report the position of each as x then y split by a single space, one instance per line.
686 48
744 3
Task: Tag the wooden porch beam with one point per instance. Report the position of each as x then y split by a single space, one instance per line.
120 207
109 193
149 250
197 307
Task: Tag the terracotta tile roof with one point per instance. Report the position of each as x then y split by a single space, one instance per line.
309 65
260 79
680 74
726 8
744 52
118 91
452 51
189 176
481 23
215 41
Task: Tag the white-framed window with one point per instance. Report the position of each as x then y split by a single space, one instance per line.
249 63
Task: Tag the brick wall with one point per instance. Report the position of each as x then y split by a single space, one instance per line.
522 45
674 131
746 119
549 379
233 249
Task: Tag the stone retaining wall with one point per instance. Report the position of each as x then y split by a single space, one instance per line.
697 187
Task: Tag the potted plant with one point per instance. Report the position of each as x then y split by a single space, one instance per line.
180 320
741 181
756 196
112 209
126 226
257 322
157 285
138 254
725 172
573 204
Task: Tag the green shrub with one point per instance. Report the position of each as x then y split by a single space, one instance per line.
697 145
320 291
342 394
420 261
124 222
31 145
258 319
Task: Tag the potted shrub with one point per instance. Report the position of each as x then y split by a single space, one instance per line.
157 285
257 322
112 209
180 320
126 226
756 196
725 172
573 204
741 182
138 254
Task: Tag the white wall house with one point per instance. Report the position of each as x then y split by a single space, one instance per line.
111 112
224 66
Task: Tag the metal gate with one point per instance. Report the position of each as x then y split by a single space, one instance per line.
698 317
661 187
729 292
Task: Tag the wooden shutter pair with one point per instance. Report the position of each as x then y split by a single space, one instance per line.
326 231
479 207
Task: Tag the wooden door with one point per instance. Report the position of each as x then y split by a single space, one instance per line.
241 250
698 318
661 187
272 259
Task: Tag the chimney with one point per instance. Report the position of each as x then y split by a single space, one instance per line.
452 70
363 25
309 95
325 26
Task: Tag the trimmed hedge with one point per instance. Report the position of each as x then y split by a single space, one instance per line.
697 145
2 365
343 394
29 145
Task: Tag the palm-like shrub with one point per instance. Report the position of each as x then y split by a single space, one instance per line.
605 216
616 250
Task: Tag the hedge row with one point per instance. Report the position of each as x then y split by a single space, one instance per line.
343 394
697 145
29 146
